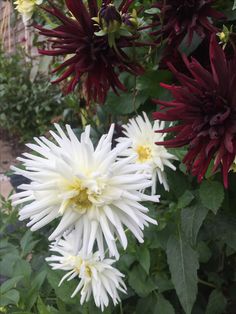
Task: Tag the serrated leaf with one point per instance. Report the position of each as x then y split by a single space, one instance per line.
217 303
10 297
140 282
143 256
183 263
185 199
212 195
9 284
191 221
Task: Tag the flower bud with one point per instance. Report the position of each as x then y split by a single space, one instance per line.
130 20
109 18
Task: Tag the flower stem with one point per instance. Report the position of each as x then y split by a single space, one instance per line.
207 283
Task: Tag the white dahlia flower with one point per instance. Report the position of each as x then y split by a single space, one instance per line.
143 138
87 187
96 276
26 8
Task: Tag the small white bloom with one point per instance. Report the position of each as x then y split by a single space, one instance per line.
89 188
143 138
26 8
96 276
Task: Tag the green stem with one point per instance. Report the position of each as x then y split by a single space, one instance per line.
207 283
121 308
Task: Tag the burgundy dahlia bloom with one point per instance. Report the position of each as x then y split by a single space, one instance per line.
94 46
178 18
205 107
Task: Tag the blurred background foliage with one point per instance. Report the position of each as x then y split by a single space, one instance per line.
187 263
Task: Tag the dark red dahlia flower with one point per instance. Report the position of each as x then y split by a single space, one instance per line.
205 107
92 40
178 18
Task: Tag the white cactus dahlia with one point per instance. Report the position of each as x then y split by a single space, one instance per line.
88 188
97 277
143 137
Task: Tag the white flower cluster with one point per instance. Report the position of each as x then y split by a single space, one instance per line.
95 193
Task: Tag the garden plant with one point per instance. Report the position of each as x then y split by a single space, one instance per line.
129 193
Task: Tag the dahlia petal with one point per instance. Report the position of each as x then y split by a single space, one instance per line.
81 14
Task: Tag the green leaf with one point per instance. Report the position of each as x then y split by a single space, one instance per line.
10 297
123 104
7 264
191 221
178 183
204 252
9 284
217 303
185 199
152 11
27 244
149 83
145 305
223 228
65 291
183 263
143 256
140 282
212 195
35 285
163 283
163 306
22 268
155 304
42 308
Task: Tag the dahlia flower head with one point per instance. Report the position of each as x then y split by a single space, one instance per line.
88 188
97 277
26 8
178 18
204 107
142 136
93 39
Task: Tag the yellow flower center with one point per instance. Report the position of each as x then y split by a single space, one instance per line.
144 153
80 201
88 271
77 262
222 36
